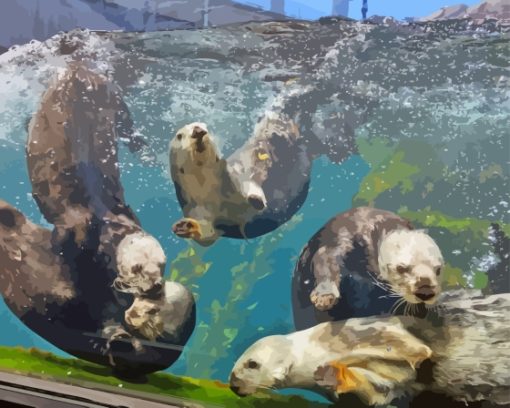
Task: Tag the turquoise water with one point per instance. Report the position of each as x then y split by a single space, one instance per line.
149 190
446 95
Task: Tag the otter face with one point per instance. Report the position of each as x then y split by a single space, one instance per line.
140 264
411 262
264 365
193 142
144 315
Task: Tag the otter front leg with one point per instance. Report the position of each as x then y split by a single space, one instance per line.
119 342
326 271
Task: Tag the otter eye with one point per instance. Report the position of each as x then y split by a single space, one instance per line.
153 311
403 269
438 270
253 365
179 136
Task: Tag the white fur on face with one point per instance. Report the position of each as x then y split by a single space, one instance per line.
183 146
140 263
264 365
145 316
411 262
163 316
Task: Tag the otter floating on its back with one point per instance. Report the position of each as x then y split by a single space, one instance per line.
364 262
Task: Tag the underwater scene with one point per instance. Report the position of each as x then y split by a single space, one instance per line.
270 209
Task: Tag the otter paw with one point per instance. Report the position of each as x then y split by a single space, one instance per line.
187 228
119 334
325 296
325 377
336 377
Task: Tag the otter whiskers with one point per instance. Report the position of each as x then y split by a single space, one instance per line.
394 309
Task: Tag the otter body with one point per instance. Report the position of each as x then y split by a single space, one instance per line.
65 300
339 273
109 261
253 192
465 344
72 151
72 159
273 170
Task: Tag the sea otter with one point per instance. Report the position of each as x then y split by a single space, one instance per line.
365 262
459 353
202 183
73 167
66 299
113 263
375 360
252 192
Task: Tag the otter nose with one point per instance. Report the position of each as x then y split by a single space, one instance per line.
425 292
235 384
198 133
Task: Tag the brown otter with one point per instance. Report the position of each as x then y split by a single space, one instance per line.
66 299
72 162
364 262
252 192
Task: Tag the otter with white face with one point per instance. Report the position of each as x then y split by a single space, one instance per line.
375 360
365 262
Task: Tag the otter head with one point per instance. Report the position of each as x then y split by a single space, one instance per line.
140 264
265 365
145 316
166 315
193 143
411 262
